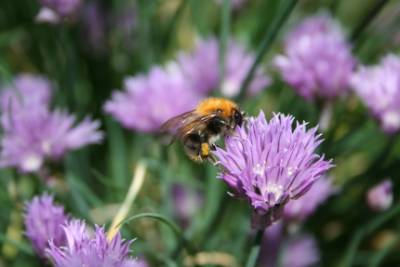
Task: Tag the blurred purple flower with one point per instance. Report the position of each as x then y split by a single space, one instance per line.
62 7
47 15
317 60
270 246
271 164
149 100
302 208
379 88
201 67
301 251
278 249
43 222
33 133
125 23
186 203
380 197
26 90
94 27
140 262
83 250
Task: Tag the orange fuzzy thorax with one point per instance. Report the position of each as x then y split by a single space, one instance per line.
211 105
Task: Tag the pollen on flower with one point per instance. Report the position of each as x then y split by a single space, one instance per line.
291 170
274 190
259 169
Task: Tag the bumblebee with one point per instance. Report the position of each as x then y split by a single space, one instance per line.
199 129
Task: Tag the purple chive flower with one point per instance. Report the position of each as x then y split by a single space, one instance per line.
43 222
201 67
317 60
380 197
271 164
379 89
26 90
301 251
186 203
33 133
302 208
150 100
90 251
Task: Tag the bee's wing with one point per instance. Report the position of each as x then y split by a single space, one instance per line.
171 128
197 124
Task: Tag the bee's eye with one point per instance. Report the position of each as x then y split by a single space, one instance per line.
238 118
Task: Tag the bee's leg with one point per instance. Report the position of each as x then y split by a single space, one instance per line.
211 158
215 146
193 147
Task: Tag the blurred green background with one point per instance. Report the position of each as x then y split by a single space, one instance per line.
93 182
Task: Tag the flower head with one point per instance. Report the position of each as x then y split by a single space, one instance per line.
380 197
43 222
300 251
302 208
379 89
32 132
271 164
150 100
317 60
202 69
90 251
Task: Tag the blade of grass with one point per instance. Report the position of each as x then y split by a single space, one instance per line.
21 246
223 39
367 19
165 221
377 259
366 230
173 24
268 39
119 170
255 249
136 185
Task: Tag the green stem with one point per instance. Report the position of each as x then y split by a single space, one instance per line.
173 23
334 5
21 246
224 35
369 17
367 229
375 165
165 221
266 42
377 259
255 249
